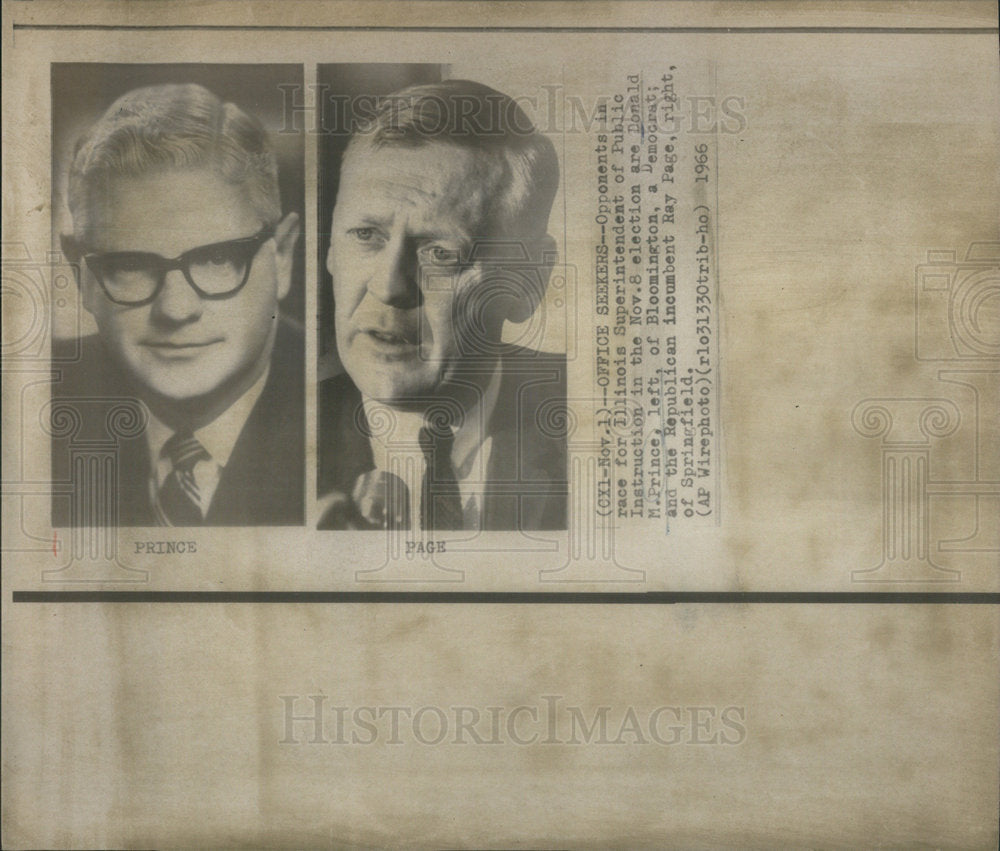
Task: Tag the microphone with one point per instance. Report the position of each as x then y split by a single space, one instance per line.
338 512
382 499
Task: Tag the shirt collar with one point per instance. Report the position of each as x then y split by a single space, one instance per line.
471 435
406 426
219 436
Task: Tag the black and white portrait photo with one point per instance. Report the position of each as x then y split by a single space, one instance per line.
435 194
179 204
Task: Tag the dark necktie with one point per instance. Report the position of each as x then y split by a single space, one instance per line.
178 502
440 499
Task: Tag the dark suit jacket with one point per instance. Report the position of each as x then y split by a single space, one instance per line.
527 481
262 485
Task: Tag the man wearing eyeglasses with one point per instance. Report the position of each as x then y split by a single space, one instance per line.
184 257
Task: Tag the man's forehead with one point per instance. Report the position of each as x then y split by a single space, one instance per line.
437 179
168 211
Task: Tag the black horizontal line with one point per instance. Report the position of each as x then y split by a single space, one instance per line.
511 29
505 597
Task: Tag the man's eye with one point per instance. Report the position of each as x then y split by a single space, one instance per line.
364 235
127 264
219 258
439 256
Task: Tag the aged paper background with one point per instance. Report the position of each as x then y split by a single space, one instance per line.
871 139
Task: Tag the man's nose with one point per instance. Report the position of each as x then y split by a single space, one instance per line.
394 280
177 301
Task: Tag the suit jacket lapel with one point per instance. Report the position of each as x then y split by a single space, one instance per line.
135 507
241 495
523 458
262 484
352 454
522 467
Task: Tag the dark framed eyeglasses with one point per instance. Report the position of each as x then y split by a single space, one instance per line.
134 278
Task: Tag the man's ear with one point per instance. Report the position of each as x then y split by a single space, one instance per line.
329 258
85 283
286 235
543 255
88 289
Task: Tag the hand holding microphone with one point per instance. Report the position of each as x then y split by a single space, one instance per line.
379 500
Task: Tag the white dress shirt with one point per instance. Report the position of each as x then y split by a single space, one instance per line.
218 437
397 451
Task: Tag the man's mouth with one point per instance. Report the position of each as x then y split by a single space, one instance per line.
388 338
172 345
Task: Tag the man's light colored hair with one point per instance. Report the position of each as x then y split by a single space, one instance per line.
517 164
173 127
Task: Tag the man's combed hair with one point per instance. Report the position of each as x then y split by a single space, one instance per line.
174 126
519 164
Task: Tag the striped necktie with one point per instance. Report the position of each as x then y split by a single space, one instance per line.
440 498
179 503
